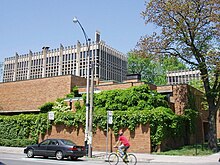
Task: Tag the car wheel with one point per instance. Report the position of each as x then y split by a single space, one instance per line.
59 155
30 153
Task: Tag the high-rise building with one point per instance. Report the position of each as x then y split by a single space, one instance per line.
109 64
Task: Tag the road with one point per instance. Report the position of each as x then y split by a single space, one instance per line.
21 159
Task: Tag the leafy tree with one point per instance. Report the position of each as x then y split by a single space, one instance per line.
189 30
138 64
149 70
152 70
198 84
171 63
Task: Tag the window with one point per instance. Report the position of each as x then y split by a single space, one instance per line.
46 142
53 142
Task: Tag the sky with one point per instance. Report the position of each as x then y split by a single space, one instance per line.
32 24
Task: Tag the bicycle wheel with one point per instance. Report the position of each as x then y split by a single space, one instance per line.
131 159
113 159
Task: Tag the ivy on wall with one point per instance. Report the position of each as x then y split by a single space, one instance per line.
23 126
133 106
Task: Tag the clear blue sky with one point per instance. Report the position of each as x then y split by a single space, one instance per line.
31 24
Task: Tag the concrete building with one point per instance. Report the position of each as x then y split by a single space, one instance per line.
182 77
109 64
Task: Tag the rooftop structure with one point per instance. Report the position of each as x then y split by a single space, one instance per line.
182 77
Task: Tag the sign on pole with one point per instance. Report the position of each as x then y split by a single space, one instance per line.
110 117
109 121
51 115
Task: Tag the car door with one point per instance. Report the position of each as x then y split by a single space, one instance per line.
41 149
53 147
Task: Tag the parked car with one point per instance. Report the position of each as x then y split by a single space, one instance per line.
59 148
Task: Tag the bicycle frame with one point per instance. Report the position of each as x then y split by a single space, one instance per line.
113 158
118 153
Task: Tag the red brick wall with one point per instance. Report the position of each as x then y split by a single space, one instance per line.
30 94
112 86
180 95
139 139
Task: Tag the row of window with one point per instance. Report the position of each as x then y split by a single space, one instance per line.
182 79
55 60
112 66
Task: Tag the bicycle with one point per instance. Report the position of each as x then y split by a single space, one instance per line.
128 158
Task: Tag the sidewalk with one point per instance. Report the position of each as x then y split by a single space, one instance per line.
168 159
140 156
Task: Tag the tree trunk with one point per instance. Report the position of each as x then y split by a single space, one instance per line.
212 108
212 134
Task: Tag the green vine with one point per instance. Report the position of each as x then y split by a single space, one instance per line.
23 126
131 107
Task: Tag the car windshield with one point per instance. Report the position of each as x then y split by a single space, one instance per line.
68 142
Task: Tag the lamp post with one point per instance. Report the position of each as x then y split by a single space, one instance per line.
75 20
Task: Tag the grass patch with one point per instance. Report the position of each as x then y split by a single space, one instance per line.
190 150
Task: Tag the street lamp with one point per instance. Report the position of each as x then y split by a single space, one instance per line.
87 139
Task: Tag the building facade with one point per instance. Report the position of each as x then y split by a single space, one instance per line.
108 63
182 77
26 97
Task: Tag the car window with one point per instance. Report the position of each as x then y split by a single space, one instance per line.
68 142
46 142
54 142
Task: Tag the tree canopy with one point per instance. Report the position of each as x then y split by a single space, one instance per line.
153 70
189 30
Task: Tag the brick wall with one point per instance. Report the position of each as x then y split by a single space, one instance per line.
30 94
112 86
180 95
139 139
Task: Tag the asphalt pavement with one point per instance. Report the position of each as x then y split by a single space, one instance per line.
141 157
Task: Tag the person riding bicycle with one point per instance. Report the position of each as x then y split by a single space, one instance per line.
123 144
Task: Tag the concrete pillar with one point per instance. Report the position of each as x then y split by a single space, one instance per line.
60 60
45 49
78 50
29 64
15 66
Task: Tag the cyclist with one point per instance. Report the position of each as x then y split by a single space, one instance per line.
123 144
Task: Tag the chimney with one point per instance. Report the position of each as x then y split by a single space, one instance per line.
133 78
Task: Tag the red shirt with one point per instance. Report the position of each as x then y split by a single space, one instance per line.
124 140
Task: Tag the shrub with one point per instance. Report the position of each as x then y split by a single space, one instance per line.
16 142
46 107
